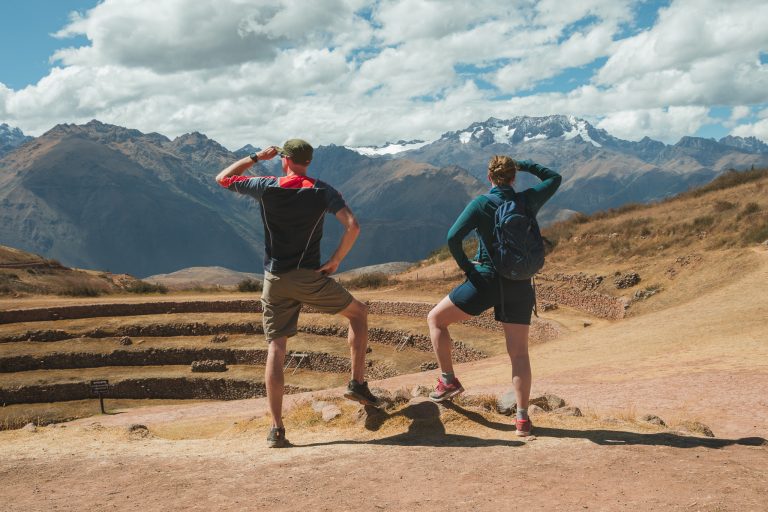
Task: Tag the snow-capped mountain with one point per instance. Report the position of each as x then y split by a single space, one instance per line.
599 170
389 148
524 129
11 138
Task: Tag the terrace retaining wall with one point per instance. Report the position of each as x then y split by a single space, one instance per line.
166 388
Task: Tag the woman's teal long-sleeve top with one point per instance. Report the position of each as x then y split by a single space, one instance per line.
479 215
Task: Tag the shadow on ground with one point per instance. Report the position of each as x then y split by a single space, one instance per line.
427 429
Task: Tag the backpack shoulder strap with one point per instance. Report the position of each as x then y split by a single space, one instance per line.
494 199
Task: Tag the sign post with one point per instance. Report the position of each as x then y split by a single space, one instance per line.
99 387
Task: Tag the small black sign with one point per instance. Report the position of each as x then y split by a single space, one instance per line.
99 386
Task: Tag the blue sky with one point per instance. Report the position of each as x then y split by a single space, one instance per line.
364 72
27 26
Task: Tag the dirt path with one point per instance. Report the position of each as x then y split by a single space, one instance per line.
470 465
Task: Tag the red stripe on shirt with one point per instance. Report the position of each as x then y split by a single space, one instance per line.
226 182
296 181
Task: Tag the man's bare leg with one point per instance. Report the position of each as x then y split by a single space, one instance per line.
517 348
357 314
442 315
275 379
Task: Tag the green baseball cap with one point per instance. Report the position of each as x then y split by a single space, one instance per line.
300 151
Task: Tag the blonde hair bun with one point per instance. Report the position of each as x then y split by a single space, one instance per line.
502 170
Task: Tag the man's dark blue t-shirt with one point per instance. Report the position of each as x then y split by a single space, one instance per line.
292 210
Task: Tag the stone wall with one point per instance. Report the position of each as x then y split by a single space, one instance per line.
166 388
577 291
128 309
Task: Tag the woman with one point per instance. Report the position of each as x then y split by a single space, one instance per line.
484 288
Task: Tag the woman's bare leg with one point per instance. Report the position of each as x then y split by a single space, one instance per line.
442 315
517 348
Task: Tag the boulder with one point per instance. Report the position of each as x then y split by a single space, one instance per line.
548 402
652 419
125 341
567 411
29 427
420 391
137 431
385 397
535 410
696 427
370 417
330 412
401 395
319 405
508 403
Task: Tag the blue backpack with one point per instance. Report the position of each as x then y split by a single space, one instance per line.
518 248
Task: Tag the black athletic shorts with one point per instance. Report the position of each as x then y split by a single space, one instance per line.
482 290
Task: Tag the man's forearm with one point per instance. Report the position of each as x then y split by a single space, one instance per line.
346 243
236 169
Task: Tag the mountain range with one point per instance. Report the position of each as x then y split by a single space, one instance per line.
108 197
599 170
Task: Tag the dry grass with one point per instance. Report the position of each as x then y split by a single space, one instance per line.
729 214
485 402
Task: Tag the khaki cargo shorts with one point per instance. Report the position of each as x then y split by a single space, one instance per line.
284 294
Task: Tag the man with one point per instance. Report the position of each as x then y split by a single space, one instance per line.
292 210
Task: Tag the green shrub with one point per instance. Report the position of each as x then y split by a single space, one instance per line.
721 206
140 287
80 290
249 285
704 222
748 209
757 234
372 280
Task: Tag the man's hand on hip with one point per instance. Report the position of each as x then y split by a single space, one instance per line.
328 267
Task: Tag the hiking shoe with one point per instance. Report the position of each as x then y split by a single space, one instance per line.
445 391
276 438
360 393
523 427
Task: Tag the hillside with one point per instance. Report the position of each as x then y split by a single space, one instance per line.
23 274
193 277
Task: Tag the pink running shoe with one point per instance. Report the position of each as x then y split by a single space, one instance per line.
523 427
445 391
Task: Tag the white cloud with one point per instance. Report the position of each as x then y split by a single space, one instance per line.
740 112
687 32
662 124
758 129
366 71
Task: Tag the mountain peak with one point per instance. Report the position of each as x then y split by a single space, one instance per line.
525 128
748 144
11 138
195 141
